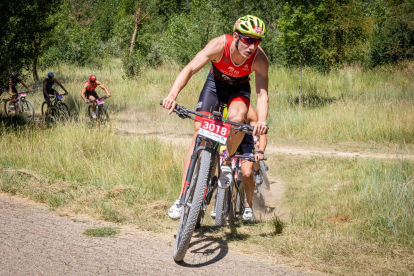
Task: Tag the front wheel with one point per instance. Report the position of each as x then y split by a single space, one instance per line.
221 206
194 200
27 110
62 110
102 115
263 169
240 199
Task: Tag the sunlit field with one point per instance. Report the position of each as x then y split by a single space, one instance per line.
338 215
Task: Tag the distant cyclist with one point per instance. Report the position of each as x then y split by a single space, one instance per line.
89 94
12 90
48 87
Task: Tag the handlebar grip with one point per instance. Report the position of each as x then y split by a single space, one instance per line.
161 102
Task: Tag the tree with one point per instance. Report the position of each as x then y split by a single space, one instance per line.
300 33
24 26
393 38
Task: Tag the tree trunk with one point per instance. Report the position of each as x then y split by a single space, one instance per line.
300 78
36 55
131 47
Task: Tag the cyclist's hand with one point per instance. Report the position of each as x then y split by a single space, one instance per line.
109 95
66 92
258 155
29 91
169 103
260 128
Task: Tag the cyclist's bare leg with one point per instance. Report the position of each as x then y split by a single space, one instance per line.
236 113
92 98
247 169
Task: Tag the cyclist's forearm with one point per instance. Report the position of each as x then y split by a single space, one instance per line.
262 106
180 82
25 86
262 142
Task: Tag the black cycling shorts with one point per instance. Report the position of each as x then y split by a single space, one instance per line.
91 93
49 92
246 146
216 91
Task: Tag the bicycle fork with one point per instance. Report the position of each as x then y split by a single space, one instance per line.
191 168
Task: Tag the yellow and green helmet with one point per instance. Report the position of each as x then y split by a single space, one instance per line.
250 24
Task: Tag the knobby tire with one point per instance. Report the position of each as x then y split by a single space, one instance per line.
102 115
266 182
63 111
221 206
6 108
240 199
190 214
27 110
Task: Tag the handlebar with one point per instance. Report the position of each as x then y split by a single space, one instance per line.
248 158
104 97
184 113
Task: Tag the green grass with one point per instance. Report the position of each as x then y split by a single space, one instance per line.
90 170
345 105
101 232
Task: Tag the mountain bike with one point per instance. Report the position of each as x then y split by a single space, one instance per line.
230 202
19 105
200 181
100 110
58 110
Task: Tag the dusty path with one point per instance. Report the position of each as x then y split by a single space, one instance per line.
185 139
35 241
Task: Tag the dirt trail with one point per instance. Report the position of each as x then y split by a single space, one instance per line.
35 241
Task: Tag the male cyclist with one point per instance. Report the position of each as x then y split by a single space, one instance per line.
250 147
88 92
48 88
233 59
13 80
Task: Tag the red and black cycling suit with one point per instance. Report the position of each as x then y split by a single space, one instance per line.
226 82
90 90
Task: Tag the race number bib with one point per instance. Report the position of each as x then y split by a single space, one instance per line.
100 101
59 97
22 94
215 130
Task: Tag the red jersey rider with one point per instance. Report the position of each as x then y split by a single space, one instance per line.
233 58
88 92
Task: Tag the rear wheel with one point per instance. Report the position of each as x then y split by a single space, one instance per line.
191 210
49 116
9 110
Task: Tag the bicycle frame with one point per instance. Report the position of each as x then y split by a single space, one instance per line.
193 161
